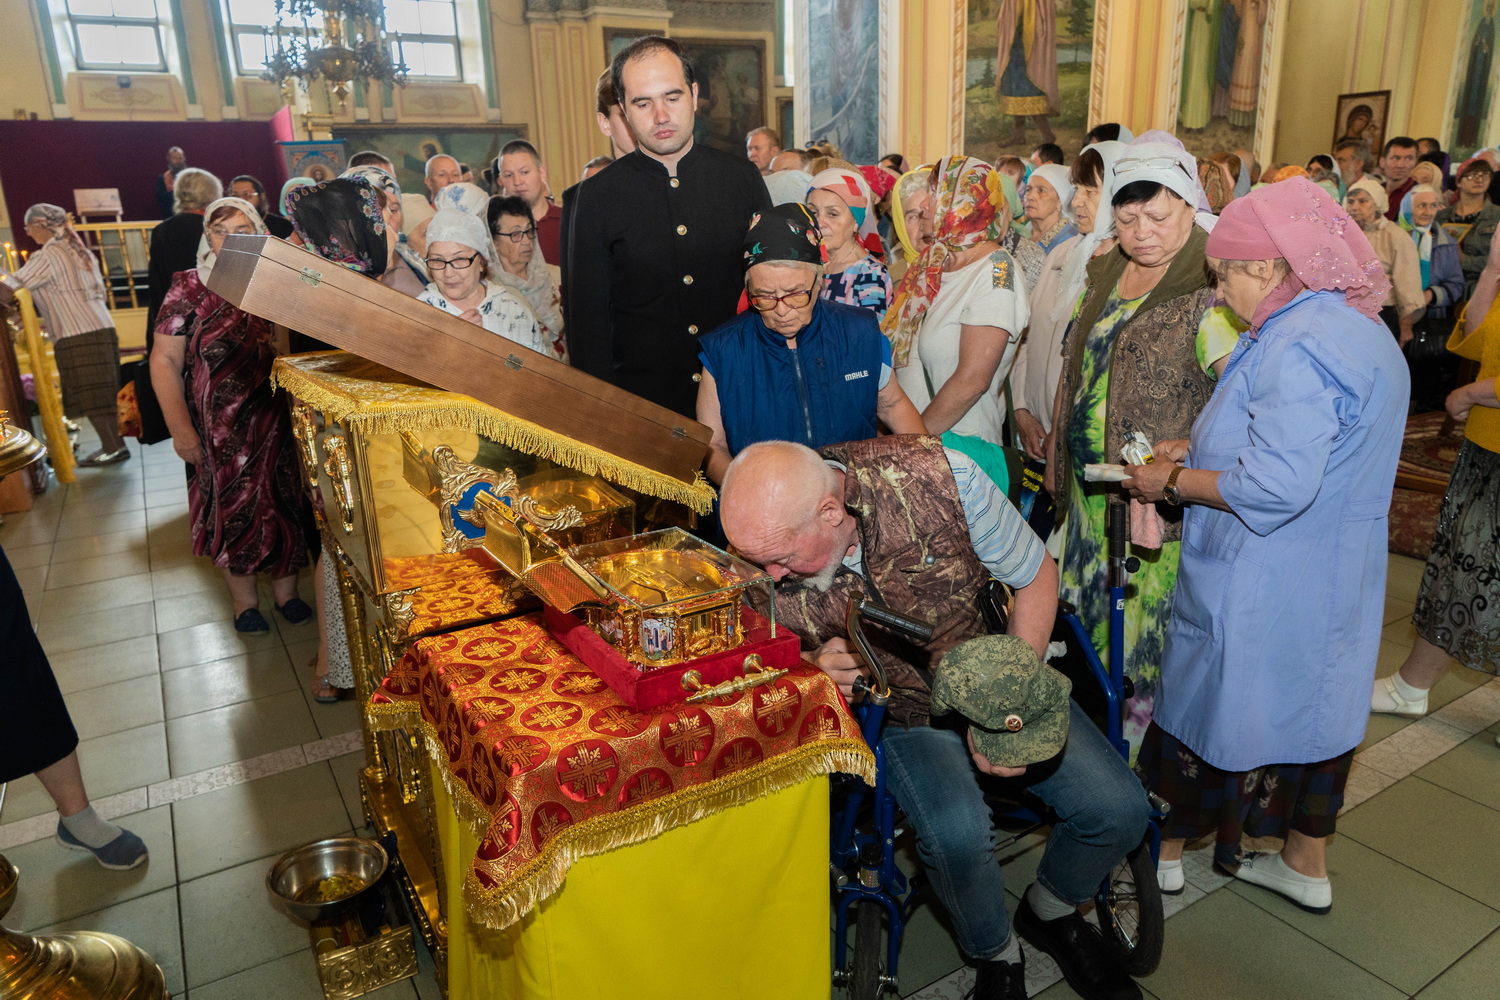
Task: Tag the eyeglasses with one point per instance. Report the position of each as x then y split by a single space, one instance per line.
437 264
793 300
519 235
221 232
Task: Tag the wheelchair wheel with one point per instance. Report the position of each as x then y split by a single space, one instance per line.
869 950
1130 912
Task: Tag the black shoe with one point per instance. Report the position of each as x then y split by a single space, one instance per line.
1086 962
999 981
251 620
295 611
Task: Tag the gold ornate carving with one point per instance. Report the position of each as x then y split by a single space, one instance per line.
340 471
305 430
455 477
755 675
527 507
399 610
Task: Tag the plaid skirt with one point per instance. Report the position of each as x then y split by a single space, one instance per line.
88 365
1265 802
1458 605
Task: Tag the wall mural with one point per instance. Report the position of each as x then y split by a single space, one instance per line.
1476 74
843 83
409 147
1026 75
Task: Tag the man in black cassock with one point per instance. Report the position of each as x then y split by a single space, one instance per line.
652 257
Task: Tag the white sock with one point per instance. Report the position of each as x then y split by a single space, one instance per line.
1010 953
1405 690
1046 905
1169 866
88 827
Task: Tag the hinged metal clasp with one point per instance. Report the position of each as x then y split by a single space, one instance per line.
311 277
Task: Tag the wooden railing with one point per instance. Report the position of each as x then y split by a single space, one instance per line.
124 252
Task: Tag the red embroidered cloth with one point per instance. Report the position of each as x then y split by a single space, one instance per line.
453 590
549 765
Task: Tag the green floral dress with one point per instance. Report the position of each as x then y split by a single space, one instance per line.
1085 559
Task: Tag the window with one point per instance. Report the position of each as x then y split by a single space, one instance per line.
252 28
424 33
116 34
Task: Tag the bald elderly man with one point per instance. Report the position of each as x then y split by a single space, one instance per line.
921 528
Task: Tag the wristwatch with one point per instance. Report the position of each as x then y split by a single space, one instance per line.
1169 492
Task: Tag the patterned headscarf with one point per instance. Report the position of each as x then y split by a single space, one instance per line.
463 196
880 180
375 175
968 210
856 193
1299 223
906 189
1075 270
55 219
286 193
341 221
206 255
785 232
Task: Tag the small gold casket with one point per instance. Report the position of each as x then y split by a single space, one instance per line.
671 597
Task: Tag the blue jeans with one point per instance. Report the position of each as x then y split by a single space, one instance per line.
1101 813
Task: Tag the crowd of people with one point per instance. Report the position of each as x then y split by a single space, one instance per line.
887 356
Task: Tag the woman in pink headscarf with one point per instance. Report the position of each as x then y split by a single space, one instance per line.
1286 481
844 206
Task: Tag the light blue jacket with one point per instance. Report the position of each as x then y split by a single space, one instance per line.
1276 618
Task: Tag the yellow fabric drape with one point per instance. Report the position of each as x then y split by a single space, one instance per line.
733 905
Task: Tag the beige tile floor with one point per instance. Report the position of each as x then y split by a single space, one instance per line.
206 743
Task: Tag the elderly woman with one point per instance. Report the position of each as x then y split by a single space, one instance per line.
958 313
522 269
408 273
461 258
1366 203
1475 210
211 368
911 213
174 241
842 206
1432 365
1139 360
1038 366
64 279
1048 201
1286 482
1458 606
795 367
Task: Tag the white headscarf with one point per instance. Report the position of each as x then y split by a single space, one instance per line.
206 256
1075 271
1159 156
787 186
463 196
1057 175
451 225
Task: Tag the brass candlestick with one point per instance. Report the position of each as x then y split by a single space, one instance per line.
84 965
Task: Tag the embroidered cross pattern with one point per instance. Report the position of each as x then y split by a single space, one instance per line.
578 684
742 755
617 720
516 679
648 786
775 708
551 716
686 737
517 753
589 771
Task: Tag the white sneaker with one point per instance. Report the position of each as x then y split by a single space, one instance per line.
1170 877
1386 700
1267 870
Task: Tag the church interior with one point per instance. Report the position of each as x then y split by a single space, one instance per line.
216 746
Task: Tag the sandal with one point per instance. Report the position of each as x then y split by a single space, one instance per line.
325 693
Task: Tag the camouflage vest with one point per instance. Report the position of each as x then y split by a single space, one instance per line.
914 540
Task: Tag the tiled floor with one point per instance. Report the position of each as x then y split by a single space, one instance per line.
207 744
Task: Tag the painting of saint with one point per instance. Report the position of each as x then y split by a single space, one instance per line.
1223 56
1471 113
843 89
1026 75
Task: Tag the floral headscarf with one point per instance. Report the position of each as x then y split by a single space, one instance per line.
55 219
784 233
905 189
1297 221
286 193
856 194
341 221
206 255
968 209
463 196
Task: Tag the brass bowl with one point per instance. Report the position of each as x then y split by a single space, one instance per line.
10 877
293 880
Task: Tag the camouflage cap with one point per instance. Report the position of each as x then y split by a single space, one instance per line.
1017 706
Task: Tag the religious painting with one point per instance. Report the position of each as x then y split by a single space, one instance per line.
731 78
842 85
786 121
1226 58
1362 116
1027 69
409 148
1476 73
318 161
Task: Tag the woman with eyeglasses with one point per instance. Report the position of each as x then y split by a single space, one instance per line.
522 269
1140 359
795 367
211 368
460 258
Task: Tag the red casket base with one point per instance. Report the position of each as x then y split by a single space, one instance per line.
648 690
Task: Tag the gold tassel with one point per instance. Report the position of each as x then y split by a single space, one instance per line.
442 410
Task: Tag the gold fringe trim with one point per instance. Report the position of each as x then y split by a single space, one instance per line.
376 416
544 874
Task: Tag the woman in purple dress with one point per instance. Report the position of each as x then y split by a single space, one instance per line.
211 366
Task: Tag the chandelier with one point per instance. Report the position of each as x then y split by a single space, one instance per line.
351 44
